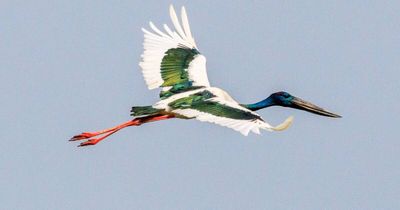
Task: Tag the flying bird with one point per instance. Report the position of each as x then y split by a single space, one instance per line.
172 61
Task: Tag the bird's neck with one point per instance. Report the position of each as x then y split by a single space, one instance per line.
260 105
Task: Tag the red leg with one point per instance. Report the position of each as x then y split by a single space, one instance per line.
87 135
110 131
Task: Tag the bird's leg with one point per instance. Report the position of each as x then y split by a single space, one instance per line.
135 122
86 135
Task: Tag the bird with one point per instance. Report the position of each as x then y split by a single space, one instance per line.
172 61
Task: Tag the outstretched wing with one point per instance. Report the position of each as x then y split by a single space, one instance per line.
205 106
171 59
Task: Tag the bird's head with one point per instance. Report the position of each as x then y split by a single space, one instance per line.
286 100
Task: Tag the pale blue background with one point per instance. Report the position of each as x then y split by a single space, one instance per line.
71 66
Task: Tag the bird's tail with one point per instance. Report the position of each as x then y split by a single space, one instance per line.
144 111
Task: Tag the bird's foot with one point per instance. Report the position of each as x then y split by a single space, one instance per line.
89 142
84 135
92 141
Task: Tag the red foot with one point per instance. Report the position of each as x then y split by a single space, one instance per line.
82 136
96 140
88 142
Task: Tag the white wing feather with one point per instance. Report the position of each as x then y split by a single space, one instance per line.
186 27
157 43
242 126
175 21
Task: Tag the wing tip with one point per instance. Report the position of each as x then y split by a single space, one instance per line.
183 10
172 10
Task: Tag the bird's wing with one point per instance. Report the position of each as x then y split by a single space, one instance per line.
171 59
206 107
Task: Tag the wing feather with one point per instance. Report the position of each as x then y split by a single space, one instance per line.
152 26
209 105
175 21
242 126
224 113
186 27
171 59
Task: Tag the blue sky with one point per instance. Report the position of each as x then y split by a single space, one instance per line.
71 66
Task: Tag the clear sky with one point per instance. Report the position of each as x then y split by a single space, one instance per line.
72 66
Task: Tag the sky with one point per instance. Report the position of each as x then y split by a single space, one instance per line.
72 66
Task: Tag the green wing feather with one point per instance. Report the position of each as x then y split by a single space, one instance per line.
175 64
201 102
220 110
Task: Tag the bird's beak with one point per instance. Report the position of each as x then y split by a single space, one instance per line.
309 107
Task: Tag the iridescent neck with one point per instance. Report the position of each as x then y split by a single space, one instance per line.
260 105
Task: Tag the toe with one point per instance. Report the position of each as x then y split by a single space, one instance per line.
88 143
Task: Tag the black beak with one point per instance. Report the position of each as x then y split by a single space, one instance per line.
298 103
